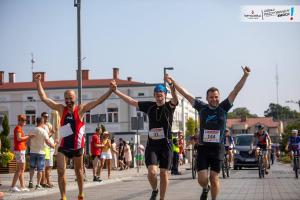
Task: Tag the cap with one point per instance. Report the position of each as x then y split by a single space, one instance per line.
127 142
160 88
295 131
106 133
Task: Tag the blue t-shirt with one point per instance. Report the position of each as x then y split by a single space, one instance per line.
294 140
212 119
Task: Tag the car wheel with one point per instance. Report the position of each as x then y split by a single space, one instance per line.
240 168
235 167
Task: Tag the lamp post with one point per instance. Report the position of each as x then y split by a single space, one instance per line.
165 72
77 4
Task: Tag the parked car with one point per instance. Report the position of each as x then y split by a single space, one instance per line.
243 157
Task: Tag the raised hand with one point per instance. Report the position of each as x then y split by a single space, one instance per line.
37 77
246 70
168 79
113 85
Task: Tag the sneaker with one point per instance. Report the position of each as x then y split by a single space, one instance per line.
24 189
15 189
204 195
30 185
266 172
38 187
154 194
97 179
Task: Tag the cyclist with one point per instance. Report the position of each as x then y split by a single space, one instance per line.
263 143
229 145
293 143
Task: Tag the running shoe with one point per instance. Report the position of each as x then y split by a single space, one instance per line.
38 187
204 195
154 194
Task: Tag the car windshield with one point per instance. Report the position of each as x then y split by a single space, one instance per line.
243 140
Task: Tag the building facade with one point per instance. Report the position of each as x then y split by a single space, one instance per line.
116 115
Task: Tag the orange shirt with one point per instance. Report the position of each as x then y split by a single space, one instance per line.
19 145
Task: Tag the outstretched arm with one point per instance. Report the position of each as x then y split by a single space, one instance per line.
239 85
174 100
49 102
93 104
123 96
180 89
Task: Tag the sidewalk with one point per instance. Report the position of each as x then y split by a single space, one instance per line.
116 176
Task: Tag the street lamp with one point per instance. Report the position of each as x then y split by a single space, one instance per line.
77 4
165 72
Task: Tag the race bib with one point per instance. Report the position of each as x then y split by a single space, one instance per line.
212 136
156 133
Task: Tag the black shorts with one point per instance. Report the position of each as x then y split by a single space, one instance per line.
71 153
209 158
159 155
262 146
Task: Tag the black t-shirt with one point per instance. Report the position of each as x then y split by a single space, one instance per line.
213 119
159 117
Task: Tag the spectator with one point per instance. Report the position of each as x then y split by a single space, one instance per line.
114 154
127 154
49 152
140 155
181 147
37 151
121 154
19 149
96 152
106 154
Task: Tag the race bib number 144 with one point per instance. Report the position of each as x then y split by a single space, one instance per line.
212 136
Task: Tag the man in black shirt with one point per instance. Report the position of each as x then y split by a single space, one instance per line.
159 146
213 118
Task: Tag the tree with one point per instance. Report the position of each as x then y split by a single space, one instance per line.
5 143
190 127
279 112
287 130
240 112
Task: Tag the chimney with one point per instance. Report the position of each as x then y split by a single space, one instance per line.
116 73
42 74
129 78
85 74
12 77
1 77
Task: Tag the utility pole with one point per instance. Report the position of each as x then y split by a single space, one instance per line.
77 4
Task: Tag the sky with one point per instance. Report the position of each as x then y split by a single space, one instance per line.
204 41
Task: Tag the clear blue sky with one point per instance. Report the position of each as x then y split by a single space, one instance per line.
204 41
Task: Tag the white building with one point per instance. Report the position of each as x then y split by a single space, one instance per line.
22 97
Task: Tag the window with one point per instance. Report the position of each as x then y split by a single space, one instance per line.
88 117
112 115
102 118
141 94
30 99
30 116
141 114
95 118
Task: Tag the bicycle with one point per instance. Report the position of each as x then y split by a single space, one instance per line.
194 162
225 166
295 159
261 168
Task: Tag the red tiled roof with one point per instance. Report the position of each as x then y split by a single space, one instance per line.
266 121
67 84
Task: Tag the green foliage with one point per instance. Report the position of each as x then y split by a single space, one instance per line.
103 128
279 112
5 143
287 130
5 158
240 112
190 127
